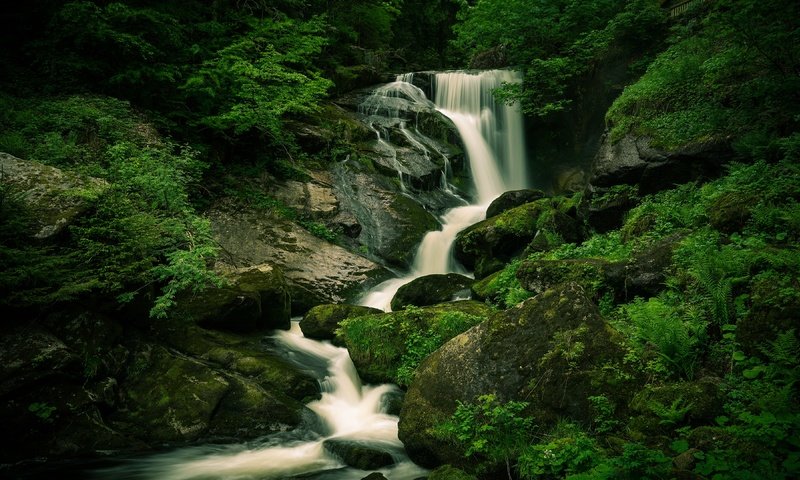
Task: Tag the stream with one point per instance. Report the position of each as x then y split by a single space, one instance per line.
348 410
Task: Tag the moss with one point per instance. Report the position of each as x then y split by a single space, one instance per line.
449 472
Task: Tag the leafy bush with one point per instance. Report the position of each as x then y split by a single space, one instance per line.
490 429
566 450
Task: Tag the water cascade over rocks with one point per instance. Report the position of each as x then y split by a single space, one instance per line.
493 136
349 413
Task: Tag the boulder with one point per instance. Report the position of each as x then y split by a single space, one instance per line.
537 276
514 198
321 322
449 472
311 199
222 308
358 454
377 343
53 197
549 351
608 206
392 224
488 245
633 161
432 289
317 271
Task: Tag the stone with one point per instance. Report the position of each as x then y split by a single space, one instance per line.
311 199
633 161
321 322
607 207
392 224
53 197
549 351
511 199
358 454
317 271
222 308
268 282
432 289
378 360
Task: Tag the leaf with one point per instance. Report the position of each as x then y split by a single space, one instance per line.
752 373
680 446
739 356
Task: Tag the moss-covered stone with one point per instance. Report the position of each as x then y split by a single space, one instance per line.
168 398
449 472
377 343
514 198
431 290
536 276
488 245
357 454
550 351
321 322
772 312
269 283
664 408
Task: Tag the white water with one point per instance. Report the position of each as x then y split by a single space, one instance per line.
348 409
495 147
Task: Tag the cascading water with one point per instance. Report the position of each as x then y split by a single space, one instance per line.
348 411
493 136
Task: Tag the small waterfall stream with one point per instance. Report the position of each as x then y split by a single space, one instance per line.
492 134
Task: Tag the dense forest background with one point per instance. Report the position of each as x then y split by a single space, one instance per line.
162 99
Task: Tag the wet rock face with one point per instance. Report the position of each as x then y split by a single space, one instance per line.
633 161
432 289
317 271
392 224
357 454
53 197
548 351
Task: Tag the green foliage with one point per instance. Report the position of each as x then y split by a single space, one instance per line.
566 450
733 73
675 340
636 462
504 290
259 78
140 230
604 421
553 42
489 429
43 411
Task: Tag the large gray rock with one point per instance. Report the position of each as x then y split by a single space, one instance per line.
549 351
312 199
633 161
392 223
358 454
514 198
53 197
318 271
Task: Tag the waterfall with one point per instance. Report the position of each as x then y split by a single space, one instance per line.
347 410
493 136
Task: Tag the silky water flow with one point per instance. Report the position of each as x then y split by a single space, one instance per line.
493 136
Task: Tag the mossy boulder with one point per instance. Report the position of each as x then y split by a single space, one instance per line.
432 289
378 343
256 299
537 276
321 322
512 199
488 245
53 197
449 472
169 397
552 351
771 313
607 207
661 409
358 454
731 210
